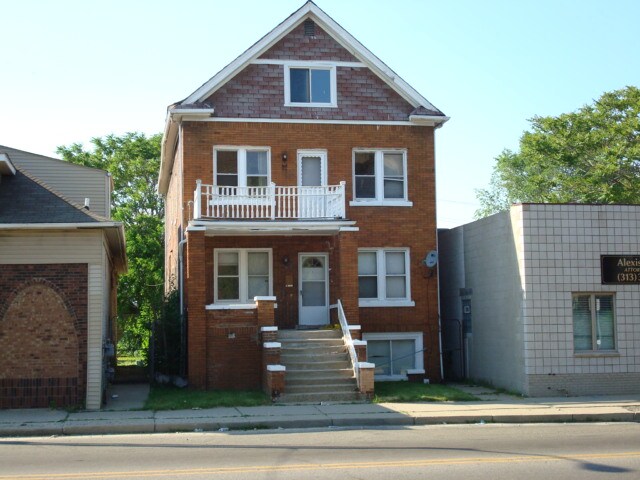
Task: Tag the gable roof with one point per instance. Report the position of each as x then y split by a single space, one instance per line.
311 11
194 106
24 199
76 182
26 202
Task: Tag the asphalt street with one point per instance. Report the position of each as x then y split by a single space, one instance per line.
566 451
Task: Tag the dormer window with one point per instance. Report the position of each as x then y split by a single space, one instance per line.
310 85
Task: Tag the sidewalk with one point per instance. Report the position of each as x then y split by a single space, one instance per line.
37 422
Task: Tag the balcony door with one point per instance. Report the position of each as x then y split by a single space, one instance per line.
312 176
313 278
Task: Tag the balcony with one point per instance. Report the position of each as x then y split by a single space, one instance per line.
269 203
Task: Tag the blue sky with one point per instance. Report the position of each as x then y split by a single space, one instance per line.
73 70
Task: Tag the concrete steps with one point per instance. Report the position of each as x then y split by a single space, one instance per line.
318 367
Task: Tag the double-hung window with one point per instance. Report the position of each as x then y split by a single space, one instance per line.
593 322
383 277
310 86
241 167
242 274
380 177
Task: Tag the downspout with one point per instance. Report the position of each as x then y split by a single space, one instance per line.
439 318
183 333
181 273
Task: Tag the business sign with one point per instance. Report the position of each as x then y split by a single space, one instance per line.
620 269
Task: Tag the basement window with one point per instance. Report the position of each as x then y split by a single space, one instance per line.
394 354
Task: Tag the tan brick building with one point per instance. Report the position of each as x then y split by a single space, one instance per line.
300 191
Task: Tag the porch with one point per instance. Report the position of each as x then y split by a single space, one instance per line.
239 284
305 274
269 202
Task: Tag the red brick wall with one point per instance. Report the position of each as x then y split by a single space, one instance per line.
173 215
412 228
234 351
43 335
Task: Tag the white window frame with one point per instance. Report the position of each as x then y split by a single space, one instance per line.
379 199
419 356
333 83
382 300
594 347
243 274
323 163
242 161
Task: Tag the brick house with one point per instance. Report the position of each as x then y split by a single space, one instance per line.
60 256
300 192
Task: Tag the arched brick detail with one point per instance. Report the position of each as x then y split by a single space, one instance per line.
43 335
36 281
38 335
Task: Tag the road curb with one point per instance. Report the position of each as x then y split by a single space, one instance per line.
164 425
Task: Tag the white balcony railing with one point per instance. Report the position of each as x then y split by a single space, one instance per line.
269 203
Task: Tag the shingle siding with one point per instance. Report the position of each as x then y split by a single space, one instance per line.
297 46
76 182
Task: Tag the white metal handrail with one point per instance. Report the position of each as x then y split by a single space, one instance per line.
269 202
348 341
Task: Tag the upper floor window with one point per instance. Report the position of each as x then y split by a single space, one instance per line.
380 176
241 167
310 86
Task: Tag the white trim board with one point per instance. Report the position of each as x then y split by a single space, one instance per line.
306 120
307 63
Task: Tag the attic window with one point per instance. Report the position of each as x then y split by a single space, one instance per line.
309 28
310 86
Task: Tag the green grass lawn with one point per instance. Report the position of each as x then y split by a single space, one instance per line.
173 398
129 360
418 392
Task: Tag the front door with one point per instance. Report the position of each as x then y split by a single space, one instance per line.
314 291
312 175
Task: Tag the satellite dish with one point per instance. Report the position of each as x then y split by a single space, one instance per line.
431 259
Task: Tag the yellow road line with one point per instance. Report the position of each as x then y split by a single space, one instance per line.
320 466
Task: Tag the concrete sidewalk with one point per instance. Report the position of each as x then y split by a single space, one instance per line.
505 410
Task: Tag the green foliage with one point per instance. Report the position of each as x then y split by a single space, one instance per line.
173 398
588 156
418 392
134 162
167 335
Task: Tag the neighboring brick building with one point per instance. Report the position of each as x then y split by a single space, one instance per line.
59 264
300 177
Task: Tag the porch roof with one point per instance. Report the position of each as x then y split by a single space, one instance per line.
272 227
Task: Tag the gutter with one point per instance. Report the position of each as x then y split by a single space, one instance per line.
429 120
117 244
59 226
170 137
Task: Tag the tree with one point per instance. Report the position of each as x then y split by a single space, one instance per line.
588 156
134 162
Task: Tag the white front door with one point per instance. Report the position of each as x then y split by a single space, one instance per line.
314 292
312 173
